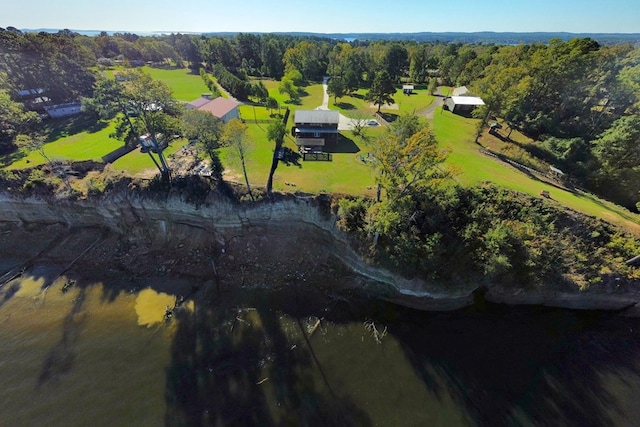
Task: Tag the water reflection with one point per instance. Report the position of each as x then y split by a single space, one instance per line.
301 355
238 366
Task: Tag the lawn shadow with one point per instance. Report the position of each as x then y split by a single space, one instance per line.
11 158
343 145
55 129
389 117
290 157
357 96
345 105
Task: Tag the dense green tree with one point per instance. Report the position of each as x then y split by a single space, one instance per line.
396 61
249 49
146 109
308 57
271 103
617 150
55 62
287 86
271 56
382 90
405 163
13 120
204 127
260 91
418 65
336 88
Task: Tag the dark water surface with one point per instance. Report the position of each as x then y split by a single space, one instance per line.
90 356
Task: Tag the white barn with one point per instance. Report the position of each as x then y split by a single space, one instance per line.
462 104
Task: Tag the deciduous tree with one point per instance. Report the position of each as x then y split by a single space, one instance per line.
240 144
336 88
382 90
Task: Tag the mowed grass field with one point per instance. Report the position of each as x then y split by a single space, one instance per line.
458 133
84 145
184 85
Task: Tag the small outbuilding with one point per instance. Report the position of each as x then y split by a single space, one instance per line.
461 91
63 110
222 108
407 89
462 104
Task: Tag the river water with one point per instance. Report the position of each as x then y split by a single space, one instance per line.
89 355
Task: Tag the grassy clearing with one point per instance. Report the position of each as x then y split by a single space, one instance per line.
345 174
457 133
404 104
90 144
310 100
184 85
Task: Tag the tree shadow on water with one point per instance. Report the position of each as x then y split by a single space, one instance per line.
61 357
525 366
233 366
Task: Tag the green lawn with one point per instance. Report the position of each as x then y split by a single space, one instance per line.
85 145
457 133
310 100
184 85
404 104
345 174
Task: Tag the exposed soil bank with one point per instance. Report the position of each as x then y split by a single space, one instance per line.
291 240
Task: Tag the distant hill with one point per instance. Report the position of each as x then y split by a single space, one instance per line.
487 37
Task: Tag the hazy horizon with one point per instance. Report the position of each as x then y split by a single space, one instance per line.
331 16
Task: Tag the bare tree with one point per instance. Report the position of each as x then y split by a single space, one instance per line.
359 122
235 137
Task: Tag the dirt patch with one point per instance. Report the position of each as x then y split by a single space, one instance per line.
386 106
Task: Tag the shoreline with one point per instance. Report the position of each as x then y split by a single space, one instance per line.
267 243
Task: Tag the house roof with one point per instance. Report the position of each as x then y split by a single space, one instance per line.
219 107
331 117
27 92
467 100
460 91
410 87
199 102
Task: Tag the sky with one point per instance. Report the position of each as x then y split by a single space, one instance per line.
326 16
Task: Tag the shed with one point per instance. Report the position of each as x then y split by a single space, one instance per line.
63 110
407 89
460 91
222 108
462 104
